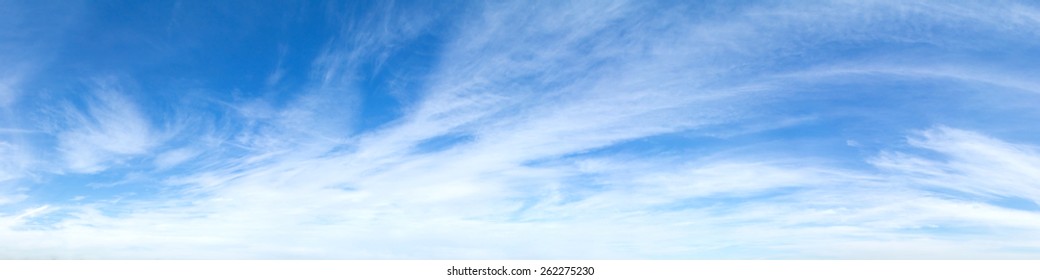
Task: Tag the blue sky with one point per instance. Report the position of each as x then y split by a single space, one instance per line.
519 130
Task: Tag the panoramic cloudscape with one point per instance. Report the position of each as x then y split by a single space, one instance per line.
519 130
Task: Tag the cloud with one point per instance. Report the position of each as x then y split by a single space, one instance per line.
970 163
174 157
8 90
12 161
107 132
545 118
9 199
717 208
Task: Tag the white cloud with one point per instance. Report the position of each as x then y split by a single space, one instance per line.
970 162
16 163
8 90
109 130
331 209
174 157
543 85
6 198
10 163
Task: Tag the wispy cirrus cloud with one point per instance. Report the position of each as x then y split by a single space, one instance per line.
716 209
107 131
971 163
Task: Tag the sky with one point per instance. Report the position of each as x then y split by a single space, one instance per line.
519 130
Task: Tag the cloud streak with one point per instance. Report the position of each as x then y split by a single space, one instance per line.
107 132
972 163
